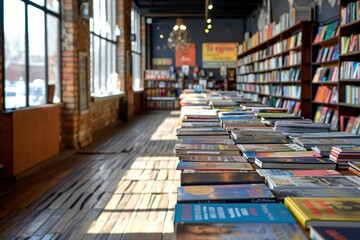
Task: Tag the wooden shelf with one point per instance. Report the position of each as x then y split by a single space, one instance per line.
328 42
332 62
349 105
325 83
350 25
304 65
333 105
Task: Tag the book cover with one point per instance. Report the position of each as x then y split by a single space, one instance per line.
236 231
269 147
316 192
312 181
188 179
205 141
256 193
295 163
325 211
334 233
298 154
312 172
232 213
221 158
214 166
211 147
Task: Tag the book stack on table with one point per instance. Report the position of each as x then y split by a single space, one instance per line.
242 180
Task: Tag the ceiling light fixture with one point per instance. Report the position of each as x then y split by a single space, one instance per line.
208 6
179 36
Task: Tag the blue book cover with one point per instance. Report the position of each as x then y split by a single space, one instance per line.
236 231
334 233
232 212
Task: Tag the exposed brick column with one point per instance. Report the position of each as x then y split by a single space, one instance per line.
124 51
143 48
70 113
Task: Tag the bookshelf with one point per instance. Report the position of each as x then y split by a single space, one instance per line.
278 70
325 70
349 58
161 90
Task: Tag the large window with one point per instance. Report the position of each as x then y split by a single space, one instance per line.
32 51
136 49
104 30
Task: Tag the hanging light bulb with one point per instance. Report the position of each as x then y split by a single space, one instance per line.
209 26
208 20
207 30
210 6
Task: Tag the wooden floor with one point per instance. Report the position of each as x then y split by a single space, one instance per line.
123 186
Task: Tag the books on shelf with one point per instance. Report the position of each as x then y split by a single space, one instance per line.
326 74
236 231
352 94
350 12
349 70
326 32
326 94
157 74
329 212
232 213
350 43
255 193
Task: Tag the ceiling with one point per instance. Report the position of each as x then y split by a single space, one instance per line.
196 8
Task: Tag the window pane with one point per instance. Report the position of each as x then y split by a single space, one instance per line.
136 59
103 27
96 65
110 85
53 55
113 67
97 18
14 37
40 2
36 25
53 5
103 66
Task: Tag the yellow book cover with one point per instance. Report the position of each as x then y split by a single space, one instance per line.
325 211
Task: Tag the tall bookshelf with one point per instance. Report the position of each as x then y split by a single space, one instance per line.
278 70
349 58
161 91
325 71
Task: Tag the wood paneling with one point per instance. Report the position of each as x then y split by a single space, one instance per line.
31 136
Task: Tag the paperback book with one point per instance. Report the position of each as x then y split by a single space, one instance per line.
295 163
221 158
236 231
312 181
329 212
334 233
256 193
214 166
232 213
221 178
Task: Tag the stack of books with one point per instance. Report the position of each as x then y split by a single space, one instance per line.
236 172
342 155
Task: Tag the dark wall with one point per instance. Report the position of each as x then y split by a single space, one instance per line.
325 11
223 30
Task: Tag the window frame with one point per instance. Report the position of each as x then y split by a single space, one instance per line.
136 29
46 12
111 42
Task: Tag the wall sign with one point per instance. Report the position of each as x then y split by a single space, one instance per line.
215 55
186 56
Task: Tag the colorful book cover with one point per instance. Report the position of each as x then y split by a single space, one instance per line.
215 166
312 181
256 193
215 147
316 192
222 178
279 172
232 213
269 147
221 158
236 231
334 233
325 211
205 141
295 163
299 154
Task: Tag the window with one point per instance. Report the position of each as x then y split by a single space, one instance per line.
136 50
32 51
103 27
